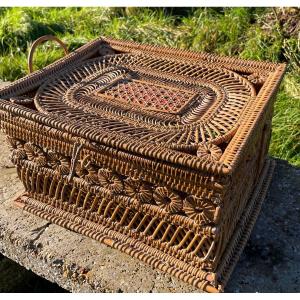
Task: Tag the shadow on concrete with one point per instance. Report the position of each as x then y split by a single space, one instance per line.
16 279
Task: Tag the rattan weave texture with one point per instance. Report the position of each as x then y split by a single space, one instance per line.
156 149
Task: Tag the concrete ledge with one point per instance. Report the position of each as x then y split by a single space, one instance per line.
73 261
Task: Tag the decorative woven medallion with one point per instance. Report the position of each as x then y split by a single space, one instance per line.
169 201
35 154
16 147
109 180
59 163
209 151
138 190
199 210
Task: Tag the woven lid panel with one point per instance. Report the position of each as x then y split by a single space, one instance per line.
164 101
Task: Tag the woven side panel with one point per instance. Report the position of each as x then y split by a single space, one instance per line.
201 279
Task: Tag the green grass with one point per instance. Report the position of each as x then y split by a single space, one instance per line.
251 33
285 141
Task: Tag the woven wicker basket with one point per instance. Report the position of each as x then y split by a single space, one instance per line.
158 152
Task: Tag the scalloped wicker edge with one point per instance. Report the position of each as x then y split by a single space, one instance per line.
205 281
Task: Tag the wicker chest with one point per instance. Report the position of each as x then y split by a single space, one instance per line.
157 152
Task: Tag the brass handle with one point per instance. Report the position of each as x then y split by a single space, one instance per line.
40 40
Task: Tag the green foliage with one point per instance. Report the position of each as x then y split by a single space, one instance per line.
260 46
285 141
251 33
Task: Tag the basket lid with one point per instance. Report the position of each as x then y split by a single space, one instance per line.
178 104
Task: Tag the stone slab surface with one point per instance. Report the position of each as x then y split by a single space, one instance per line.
270 262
